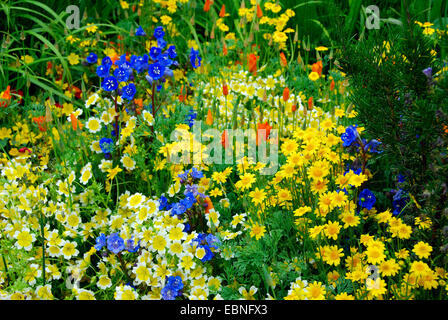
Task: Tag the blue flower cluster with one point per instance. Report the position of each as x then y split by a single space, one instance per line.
349 136
367 199
115 243
195 59
399 200
173 288
160 69
92 58
207 242
107 146
191 117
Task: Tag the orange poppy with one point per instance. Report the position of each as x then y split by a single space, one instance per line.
40 121
252 62
332 85
224 50
266 127
209 120
75 122
222 13
207 5
283 61
259 12
317 67
225 90
209 203
310 103
286 94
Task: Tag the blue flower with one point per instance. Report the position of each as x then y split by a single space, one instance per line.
115 243
165 60
156 71
129 91
109 84
196 174
428 72
163 203
191 116
400 199
131 247
169 293
161 43
107 61
154 52
106 145
367 199
171 51
183 176
213 241
102 71
140 31
208 253
401 178
100 242
175 283
122 74
168 73
195 59
372 146
116 127
140 63
92 58
349 136
158 32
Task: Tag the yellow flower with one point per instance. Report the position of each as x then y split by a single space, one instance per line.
165 19
91 28
124 4
316 291
321 48
257 231
257 196
73 59
313 76
422 250
27 59
113 172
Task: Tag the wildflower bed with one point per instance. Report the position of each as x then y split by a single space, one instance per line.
94 205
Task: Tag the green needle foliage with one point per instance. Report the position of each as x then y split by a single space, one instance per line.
402 102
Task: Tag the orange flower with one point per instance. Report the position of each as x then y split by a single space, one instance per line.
252 62
294 107
332 85
224 139
259 12
317 67
209 120
222 13
224 50
207 5
182 97
5 95
209 203
310 103
40 121
286 94
283 61
114 58
75 122
266 127
225 90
